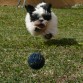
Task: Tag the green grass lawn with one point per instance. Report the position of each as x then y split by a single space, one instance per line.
63 54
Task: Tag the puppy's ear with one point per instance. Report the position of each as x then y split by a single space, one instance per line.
49 7
29 8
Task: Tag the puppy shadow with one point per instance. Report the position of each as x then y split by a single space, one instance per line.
62 42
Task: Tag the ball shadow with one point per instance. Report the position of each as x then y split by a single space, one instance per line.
62 42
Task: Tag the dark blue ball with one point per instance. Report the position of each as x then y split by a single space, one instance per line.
36 61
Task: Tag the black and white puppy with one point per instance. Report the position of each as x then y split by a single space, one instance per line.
40 20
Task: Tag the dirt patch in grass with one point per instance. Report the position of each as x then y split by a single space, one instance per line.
57 4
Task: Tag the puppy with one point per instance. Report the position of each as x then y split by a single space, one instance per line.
40 20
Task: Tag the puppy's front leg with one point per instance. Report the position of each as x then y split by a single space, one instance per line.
37 29
48 36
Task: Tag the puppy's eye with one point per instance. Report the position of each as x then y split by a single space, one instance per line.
47 16
35 16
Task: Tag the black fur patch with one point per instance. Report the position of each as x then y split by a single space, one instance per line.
47 7
47 16
34 17
37 29
48 36
29 8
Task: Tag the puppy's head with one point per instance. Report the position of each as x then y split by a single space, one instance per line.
39 15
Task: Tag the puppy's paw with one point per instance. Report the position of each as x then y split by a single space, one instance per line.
48 36
37 29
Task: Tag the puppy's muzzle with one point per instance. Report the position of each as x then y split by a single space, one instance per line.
41 20
40 25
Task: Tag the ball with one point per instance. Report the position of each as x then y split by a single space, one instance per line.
36 61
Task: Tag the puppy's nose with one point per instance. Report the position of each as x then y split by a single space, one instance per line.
41 20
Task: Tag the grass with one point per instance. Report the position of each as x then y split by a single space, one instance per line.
63 54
